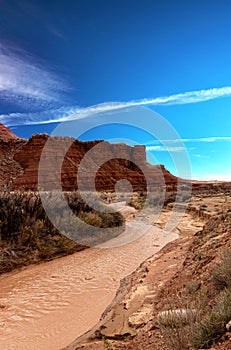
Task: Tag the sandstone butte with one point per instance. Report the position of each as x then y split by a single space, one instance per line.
20 158
19 164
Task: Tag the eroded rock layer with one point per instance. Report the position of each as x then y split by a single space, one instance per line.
48 163
6 133
99 164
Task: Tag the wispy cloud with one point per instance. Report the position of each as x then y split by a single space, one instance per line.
43 117
25 81
155 143
165 149
46 88
200 156
184 98
208 139
214 177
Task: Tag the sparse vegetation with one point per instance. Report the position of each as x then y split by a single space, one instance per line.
178 324
221 274
107 344
28 236
159 198
211 326
176 337
212 316
137 202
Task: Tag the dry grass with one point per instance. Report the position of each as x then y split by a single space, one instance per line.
107 344
28 236
221 274
207 327
177 324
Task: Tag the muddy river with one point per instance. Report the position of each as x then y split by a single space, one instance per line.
46 306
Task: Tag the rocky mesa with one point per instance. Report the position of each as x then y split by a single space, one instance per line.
102 164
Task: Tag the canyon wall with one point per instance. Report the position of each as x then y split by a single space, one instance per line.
104 165
71 164
6 133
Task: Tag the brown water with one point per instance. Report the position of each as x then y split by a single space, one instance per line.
45 307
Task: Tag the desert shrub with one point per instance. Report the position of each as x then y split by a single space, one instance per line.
159 198
177 325
107 344
203 328
91 218
137 203
23 212
221 274
27 234
192 287
140 200
177 338
18 211
211 326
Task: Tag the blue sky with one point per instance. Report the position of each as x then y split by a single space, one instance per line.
58 59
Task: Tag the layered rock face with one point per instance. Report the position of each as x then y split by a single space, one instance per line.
61 162
49 163
6 133
9 168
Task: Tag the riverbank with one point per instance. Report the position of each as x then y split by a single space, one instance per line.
168 279
31 233
132 308
46 306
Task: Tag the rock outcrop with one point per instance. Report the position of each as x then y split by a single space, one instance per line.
100 163
71 164
6 133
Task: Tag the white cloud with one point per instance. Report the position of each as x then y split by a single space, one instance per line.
191 140
184 98
165 149
200 156
188 97
214 177
24 80
209 139
46 117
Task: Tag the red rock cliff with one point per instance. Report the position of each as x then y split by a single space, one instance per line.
111 163
6 133
98 162
9 168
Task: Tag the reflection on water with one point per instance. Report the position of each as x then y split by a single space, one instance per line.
47 306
